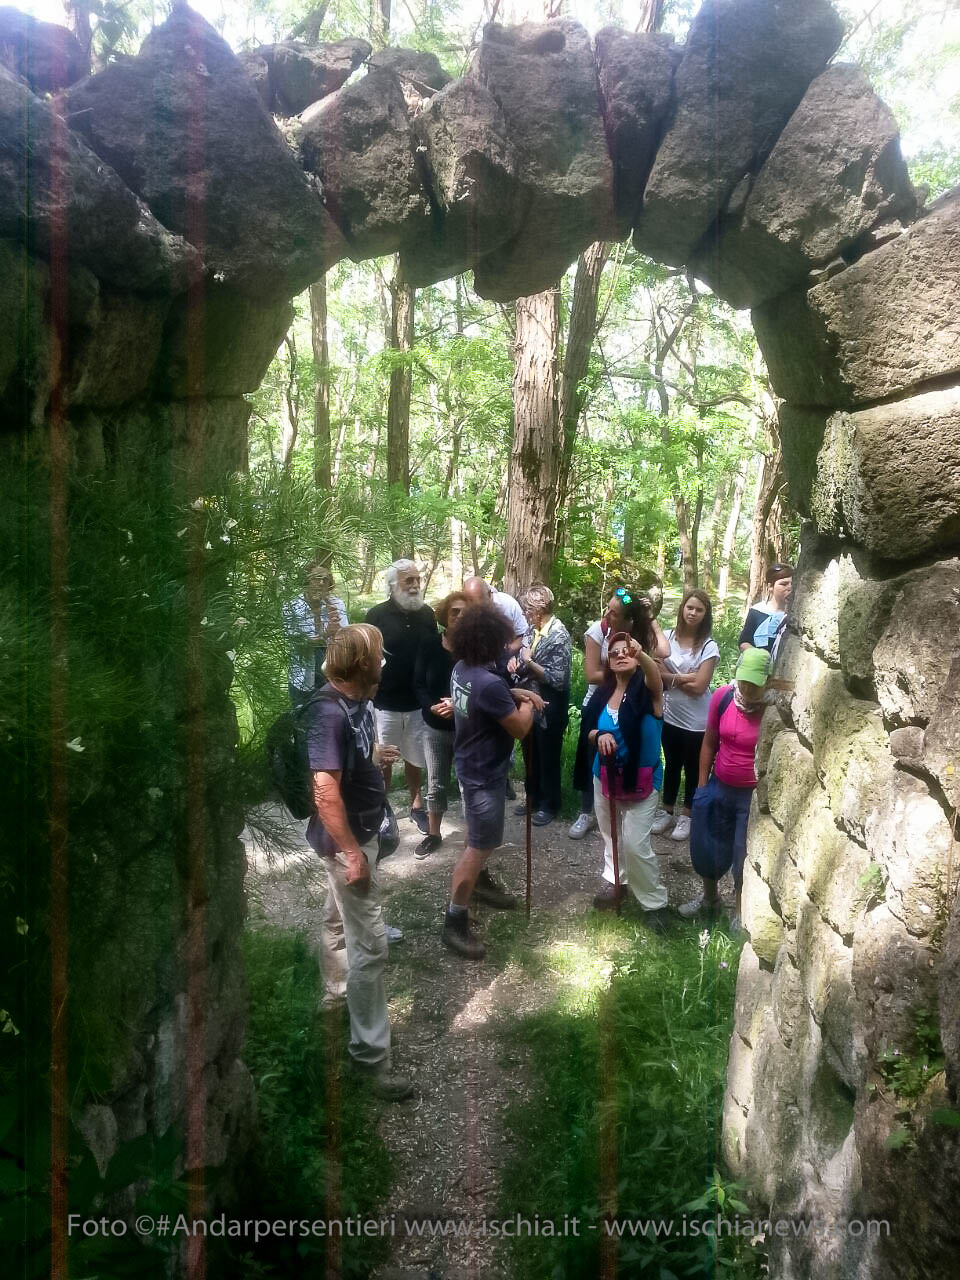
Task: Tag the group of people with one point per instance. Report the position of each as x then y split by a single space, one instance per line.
460 685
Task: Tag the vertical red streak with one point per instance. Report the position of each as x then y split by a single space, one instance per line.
59 456
197 821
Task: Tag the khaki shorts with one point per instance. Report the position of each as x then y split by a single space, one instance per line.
402 729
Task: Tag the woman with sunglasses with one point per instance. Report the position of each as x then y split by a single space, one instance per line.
624 719
628 611
431 683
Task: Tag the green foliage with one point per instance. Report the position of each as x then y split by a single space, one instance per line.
872 883
610 1126
317 1153
908 1072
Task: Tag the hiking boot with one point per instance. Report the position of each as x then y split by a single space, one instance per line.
393 933
458 936
607 897
661 822
682 830
428 845
582 825
419 817
542 818
492 892
383 1081
520 809
658 920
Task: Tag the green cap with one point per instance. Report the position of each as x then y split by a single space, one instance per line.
754 666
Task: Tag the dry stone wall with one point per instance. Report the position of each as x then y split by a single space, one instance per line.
154 223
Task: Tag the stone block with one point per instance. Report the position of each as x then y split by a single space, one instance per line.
67 190
27 344
830 865
888 323
219 344
737 1100
752 998
787 1002
746 65
544 77
48 57
774 1126
419 72
941 742
852 757
112 361
635 73
890 476
827 976
791 775
814 605
760 919
814 683
478 199
894 976
360 145
835 172
299 74
910 672
912 844
771 726
184 127
948 984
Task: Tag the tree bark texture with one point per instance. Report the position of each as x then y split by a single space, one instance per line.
765 546
535 454
730 532
321 400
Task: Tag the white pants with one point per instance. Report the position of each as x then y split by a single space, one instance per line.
354 944
404 730
638 862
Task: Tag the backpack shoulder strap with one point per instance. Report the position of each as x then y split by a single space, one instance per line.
726 700
329 694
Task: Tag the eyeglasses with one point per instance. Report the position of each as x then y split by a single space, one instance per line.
623 595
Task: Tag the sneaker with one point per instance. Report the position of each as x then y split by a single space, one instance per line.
520 809
682 830
384 1082
491 891
542 818
582 826
393 933
698 906
458 936
661 822
428 845
419 816
607 897
658 920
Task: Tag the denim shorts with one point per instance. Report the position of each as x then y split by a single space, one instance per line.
484 805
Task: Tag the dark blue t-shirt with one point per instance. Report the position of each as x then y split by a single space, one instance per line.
361 787
482 747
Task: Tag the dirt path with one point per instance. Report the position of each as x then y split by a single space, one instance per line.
449 1019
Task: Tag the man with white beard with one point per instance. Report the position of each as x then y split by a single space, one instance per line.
405 622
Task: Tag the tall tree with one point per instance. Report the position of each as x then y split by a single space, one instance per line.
535 452
321 401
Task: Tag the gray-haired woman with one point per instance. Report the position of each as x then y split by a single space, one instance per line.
546 659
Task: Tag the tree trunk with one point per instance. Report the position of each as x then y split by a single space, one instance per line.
730 532
535 454
321 402
771 480
291 403
398 404
576 360
713 546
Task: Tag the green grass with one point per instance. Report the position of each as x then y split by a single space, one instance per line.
627 1069
317 1153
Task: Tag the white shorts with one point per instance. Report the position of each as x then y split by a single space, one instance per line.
403 729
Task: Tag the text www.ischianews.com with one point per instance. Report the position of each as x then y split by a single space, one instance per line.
169 1226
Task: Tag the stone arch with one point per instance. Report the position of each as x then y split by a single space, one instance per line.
155 226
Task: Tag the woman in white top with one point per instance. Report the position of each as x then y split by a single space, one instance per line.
687 672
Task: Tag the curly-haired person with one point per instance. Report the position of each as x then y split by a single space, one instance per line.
488 717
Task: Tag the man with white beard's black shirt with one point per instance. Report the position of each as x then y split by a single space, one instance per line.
405 622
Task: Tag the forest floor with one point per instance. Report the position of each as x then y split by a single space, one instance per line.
451 1019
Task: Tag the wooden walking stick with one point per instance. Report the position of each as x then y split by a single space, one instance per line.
614 834
525 748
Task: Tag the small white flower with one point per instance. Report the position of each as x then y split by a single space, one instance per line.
208 546
124 560
204 621
154 793
197 504
230 524
232 655
6 1024
181 532
704 939
75 745
22 926
224 537
241 622
129 535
